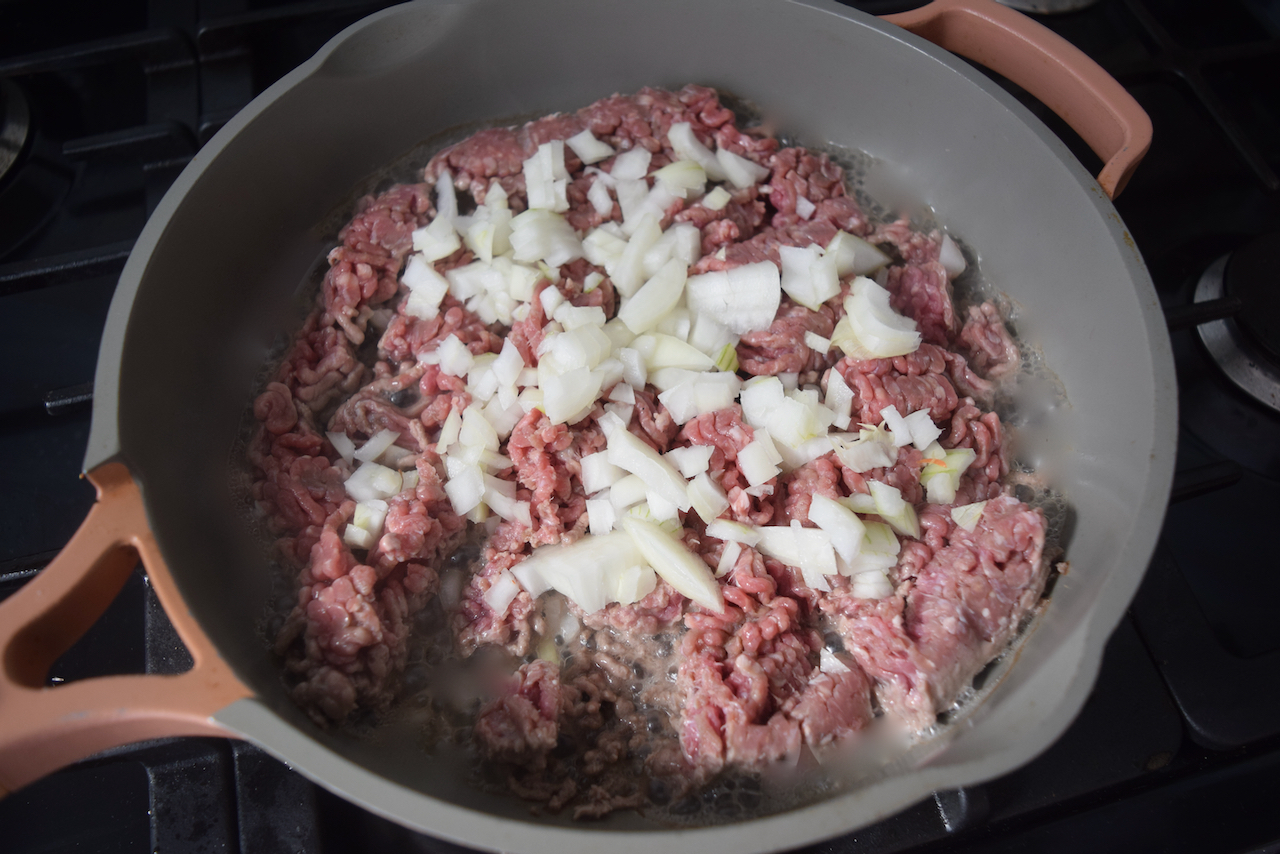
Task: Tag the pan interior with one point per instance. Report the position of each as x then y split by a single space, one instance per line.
219 293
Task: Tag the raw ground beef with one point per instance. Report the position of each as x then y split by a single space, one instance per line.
638 704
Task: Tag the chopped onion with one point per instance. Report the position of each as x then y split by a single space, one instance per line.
663 351
540 235
580 571
372 481
897 425
967 516
893 509
686 146
839 399
942 481
678 566
716 199
598 473
588 148
707 497
846 529
755 465
631 165
871 329
378 443
634 370
465 489
951 258
631 453
601 515
805 208
410 479
603 248
628 272
660 509
740 171
598 195
682 177
476 431
358 537
546 178
744 299
343 445
568 398
370 515
426 288
807 549
923 431
730 531
855 256
808 277
642 311
437 240
814 341
728 558
449 430
627 492
691 461
634 583
878 587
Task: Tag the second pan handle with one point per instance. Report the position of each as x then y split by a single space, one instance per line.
1056 72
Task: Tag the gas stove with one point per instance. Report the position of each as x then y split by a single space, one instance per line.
1178 747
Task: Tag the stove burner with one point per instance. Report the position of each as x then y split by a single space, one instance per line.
1247 346
14 119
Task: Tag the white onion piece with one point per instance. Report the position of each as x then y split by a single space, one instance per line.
951 258
716 199
967 516
378 443
545 178
628 272
663 351
878 587
642 311
923 431
691 461
631 453
598 196
808 277
539 235
816 342
839 399
343 445
358 538
707 497
465 489
744 299
874 325
603 249
627 492
631 165
805 208
855 256
588 148
807 549
687 147
598 473
660 509
728 558
678 566
633 198
730 531
372 481
564 397
476 431
501 592
370 515
897 425
942 481
426 287
893 509
842 524
446 198
634 583
600 515
682 178
438 239
634 370
755 465
579 571
740 171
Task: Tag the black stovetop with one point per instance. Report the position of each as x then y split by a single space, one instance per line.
1178 747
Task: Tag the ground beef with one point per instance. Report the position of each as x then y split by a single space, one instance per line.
641 703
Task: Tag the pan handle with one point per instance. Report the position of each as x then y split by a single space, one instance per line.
43 728
1049 67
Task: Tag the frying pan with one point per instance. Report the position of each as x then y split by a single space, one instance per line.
213 282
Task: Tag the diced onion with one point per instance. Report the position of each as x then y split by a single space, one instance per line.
682 177
372 481
893 509
642 311
631 165
808 277
740 171
598 473
755 465
716 199
842 524
744 299
373 448
678 566
707 497
438 239
600 515
588 148
728 530
465 489
686 146
631 453
967 516
343 445
728 558
855 256
951 258
691 461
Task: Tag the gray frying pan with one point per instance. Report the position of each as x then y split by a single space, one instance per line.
213 281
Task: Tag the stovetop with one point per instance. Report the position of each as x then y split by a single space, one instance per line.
1177 748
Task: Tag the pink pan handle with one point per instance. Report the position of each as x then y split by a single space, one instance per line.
43 728
1050 68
